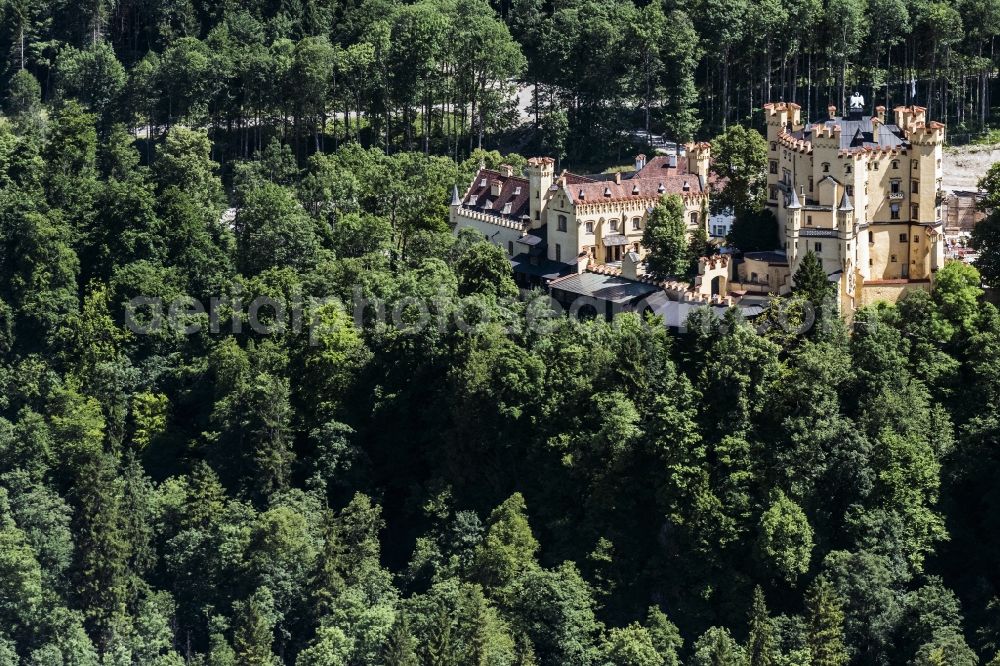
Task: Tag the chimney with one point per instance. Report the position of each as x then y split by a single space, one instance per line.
495 186
507 170
640 161
630 265
832 110
618 177
672 161
880 114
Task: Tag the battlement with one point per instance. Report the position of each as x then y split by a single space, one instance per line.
495 220
781 113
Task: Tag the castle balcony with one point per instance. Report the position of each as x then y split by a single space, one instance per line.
896 196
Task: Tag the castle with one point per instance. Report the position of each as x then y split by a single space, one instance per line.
567 222
862 193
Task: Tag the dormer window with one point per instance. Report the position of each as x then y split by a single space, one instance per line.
661 189
517 191
482 183
686 187
506 208
635 189
583 195
488 205
607 191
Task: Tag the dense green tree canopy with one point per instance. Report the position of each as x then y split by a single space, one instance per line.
261 406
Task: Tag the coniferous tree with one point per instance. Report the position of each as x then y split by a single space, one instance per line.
762 647
401 647
253 629
666 237
826 625
812 282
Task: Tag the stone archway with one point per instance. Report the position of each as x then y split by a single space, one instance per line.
719 285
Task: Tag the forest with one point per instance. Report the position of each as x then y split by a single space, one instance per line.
440 75
503 487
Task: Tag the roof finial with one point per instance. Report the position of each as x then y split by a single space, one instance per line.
845 203
794 203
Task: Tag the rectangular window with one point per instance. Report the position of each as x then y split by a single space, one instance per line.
562 223
916 238
774 166
850 190
818 248
636 224
871 237
590 227
876 166
809 220
894 211
914 187
914 212
892 258
772 193
558 252
510 248
902 238
894 187
810 183
614 226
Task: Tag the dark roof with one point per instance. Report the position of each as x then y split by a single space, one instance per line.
539 266
479 196
611 288
857 134
675 313
770 257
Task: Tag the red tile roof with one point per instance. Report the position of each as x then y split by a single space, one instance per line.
479 194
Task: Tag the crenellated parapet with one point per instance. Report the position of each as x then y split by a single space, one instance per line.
495 220
787 140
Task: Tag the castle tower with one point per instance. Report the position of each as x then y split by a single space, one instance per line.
793 225
541 173
698 159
